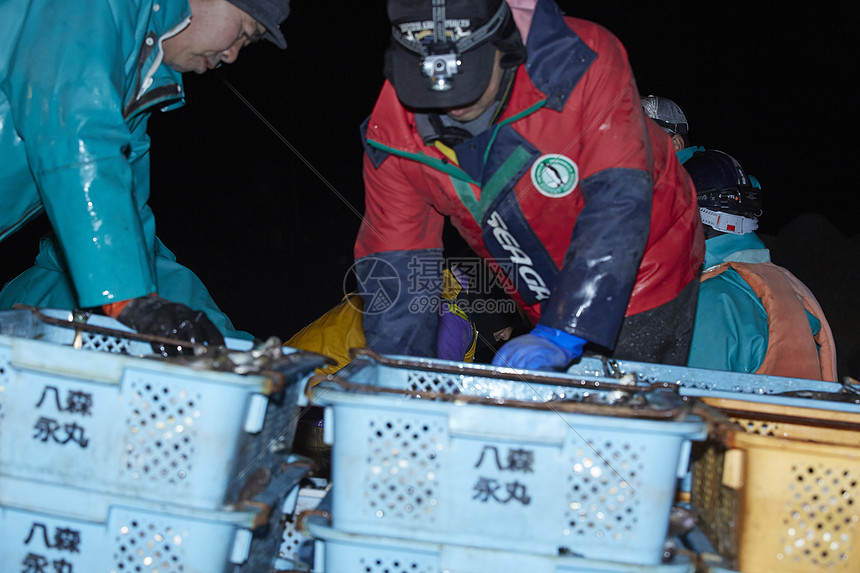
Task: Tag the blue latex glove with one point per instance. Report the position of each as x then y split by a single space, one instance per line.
544 348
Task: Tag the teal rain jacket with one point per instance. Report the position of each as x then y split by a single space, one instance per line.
731 330
78 81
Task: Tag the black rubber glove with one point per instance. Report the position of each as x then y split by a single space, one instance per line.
160 317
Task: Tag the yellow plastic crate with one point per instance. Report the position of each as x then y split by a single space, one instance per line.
779 491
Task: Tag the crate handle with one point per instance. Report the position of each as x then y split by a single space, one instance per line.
303 516
719 418
317 382
277 367
265 501
293 366
199 349
669 405
719 425
502 373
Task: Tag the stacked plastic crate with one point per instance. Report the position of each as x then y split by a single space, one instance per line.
776 485
114 462
438 466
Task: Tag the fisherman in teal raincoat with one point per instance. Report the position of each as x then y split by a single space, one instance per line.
78 81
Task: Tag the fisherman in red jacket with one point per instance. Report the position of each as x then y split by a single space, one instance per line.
525 128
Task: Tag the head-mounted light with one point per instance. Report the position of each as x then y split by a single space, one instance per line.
441 55
439 68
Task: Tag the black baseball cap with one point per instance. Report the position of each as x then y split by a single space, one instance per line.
269 13
454 38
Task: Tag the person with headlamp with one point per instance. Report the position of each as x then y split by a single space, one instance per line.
524 127
78 82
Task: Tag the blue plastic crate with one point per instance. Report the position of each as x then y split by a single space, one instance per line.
80 409
45 527
700 382
540 468
341 552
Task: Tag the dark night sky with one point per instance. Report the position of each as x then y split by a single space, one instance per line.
271 233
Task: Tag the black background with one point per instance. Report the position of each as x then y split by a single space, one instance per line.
264 203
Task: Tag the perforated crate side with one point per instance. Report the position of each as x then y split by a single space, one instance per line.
772 496
716 504
65 530
511 478
344 552
128 425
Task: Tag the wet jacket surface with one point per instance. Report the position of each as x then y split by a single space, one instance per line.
78 81
577 197
754 316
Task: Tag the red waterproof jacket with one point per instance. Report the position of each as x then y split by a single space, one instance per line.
574 195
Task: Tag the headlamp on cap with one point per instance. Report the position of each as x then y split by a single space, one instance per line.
440 67
441 53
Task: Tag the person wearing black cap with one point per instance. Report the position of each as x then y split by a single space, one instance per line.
78 81
524 126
